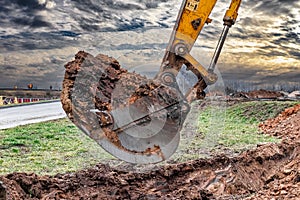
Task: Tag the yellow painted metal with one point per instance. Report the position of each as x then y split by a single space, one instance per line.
232 13
193 17
190 21
208 77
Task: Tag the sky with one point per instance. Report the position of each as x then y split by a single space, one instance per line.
38 37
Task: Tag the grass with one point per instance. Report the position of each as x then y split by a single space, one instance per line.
232 129
58 146
47 148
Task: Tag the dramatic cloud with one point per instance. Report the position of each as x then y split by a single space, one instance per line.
37 37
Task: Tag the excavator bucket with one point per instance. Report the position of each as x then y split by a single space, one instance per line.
135 119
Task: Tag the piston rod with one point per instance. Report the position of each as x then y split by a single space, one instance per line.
218 50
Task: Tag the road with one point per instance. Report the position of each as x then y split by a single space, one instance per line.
28 114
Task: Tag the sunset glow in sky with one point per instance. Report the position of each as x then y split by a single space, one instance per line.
37 37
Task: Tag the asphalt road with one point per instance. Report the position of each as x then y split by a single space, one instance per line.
28 114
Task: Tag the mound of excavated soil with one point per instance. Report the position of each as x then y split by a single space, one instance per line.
259 94
283 125
270 170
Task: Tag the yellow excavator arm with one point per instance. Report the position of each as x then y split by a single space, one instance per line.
232 13
192 17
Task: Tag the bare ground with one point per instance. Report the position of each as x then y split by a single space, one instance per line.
270 170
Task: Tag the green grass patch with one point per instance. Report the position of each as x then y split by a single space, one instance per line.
239 128
48 148
258 111
231 130
59 146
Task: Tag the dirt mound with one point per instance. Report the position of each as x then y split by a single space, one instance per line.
270 170
284 125
259 94
285 182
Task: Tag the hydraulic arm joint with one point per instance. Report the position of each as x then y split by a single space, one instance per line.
193 15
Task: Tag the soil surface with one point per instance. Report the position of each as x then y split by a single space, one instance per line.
270 171
260 94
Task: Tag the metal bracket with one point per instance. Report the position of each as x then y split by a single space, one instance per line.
208 76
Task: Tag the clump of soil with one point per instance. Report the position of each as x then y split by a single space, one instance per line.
278 125
259 94
100 84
